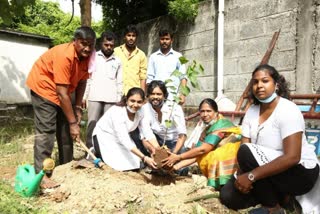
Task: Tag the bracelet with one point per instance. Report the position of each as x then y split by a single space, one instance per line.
79 108
72 123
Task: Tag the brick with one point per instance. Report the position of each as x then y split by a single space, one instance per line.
254 46
195 98
283 60
207 84
286 41
232 31
252 29
263 8
186 42
236 82
284 21
248 64
200 54
231 66
287 5
204 38
232 49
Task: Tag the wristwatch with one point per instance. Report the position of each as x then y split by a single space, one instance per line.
251 177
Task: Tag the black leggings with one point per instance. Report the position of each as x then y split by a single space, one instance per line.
269 191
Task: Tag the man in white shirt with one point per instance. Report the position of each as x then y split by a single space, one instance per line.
159 114
104 86
163 62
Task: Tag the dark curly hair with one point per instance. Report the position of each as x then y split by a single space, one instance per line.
157 83
281 82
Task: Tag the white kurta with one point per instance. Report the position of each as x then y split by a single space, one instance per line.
115 143
178 121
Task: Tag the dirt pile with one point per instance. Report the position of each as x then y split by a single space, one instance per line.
91 190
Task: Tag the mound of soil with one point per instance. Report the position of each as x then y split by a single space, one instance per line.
92 190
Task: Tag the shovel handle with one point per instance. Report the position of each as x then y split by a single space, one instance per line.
87 150
99 163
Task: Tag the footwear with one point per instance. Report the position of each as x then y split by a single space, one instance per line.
264 210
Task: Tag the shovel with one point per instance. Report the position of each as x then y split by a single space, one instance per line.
97 161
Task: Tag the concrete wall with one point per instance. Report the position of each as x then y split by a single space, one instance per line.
17 55
249 27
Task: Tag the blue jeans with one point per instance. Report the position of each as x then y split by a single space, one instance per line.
171 144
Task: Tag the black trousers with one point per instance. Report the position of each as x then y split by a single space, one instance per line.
270 191
50 122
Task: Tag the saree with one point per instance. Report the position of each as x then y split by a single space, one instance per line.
221 163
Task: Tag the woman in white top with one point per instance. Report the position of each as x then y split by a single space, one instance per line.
111 135
276 161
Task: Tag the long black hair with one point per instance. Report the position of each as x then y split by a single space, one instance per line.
131 92
282 85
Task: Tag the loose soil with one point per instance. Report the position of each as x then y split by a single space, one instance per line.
93 190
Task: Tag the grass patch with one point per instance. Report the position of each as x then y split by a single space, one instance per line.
11 202
16 136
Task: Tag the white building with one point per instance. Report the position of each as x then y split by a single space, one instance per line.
18 52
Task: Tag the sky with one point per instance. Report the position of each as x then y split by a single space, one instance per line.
66 6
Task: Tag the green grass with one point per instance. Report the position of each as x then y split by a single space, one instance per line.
16 133
13 203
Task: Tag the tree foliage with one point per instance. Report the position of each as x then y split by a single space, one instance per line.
46 18
9 8
183 10
119 13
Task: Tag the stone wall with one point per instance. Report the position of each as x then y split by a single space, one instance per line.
248 30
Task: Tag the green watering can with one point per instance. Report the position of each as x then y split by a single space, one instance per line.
27 182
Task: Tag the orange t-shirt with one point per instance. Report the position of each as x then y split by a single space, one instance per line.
58 65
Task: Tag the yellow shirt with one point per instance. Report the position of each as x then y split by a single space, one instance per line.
134 67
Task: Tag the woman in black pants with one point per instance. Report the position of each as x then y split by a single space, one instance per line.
276 162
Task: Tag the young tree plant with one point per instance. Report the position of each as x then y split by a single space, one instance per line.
192 73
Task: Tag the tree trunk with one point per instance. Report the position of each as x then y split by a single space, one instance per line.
85 10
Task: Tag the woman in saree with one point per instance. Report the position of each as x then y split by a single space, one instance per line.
216 150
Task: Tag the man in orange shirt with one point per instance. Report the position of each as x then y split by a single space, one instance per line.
54 76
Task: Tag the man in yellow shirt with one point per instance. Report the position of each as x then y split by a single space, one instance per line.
134 61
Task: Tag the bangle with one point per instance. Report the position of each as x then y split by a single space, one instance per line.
79 108
72 123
